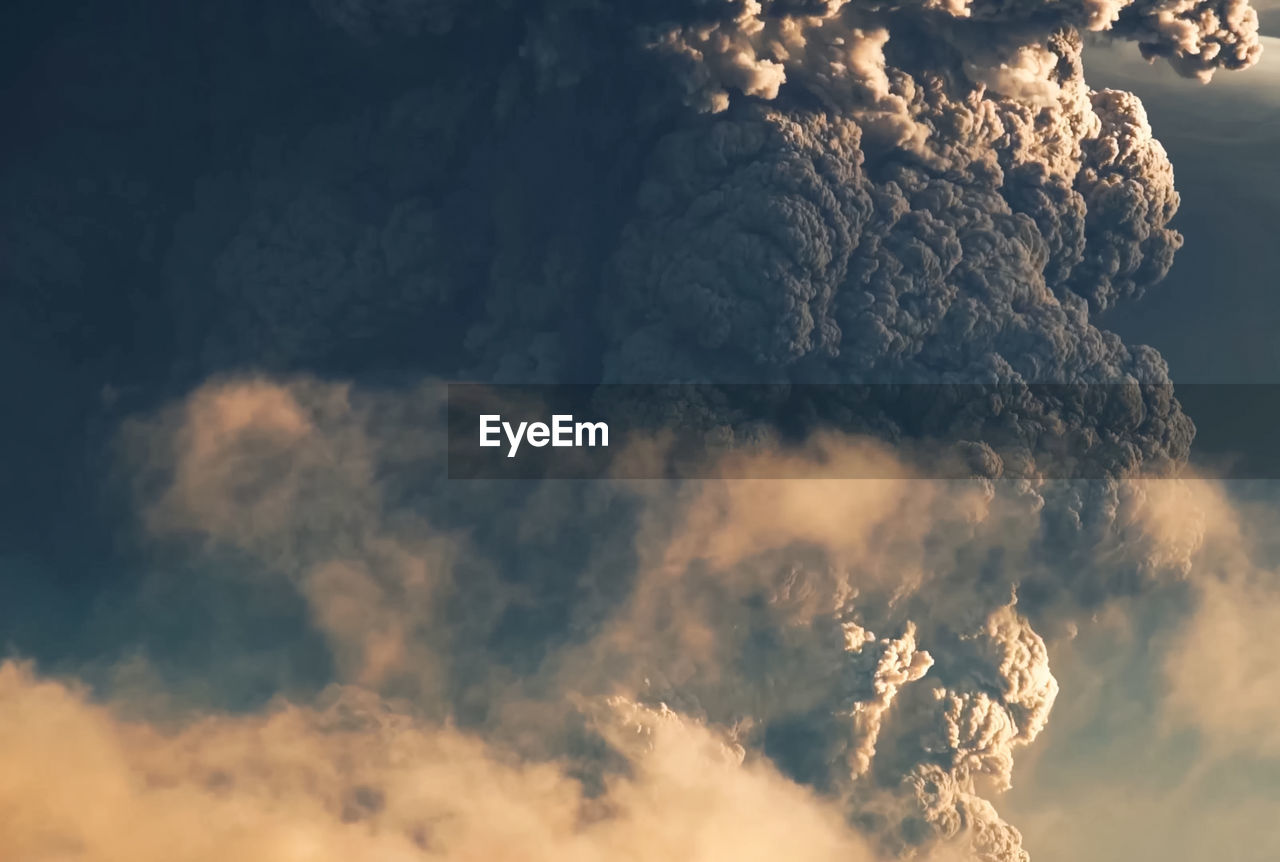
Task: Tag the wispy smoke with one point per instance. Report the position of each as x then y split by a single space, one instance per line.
794 625
352 779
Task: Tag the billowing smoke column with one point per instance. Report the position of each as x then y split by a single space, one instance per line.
897 190
774 191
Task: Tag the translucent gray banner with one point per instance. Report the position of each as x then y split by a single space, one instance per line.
1051 431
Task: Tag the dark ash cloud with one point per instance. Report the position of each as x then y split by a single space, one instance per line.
587 191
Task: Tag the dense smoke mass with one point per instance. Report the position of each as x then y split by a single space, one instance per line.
382 664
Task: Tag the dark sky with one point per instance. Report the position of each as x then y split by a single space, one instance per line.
1216 316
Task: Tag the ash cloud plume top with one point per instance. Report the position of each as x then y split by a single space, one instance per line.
911 193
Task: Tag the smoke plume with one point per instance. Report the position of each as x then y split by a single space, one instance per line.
744 191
